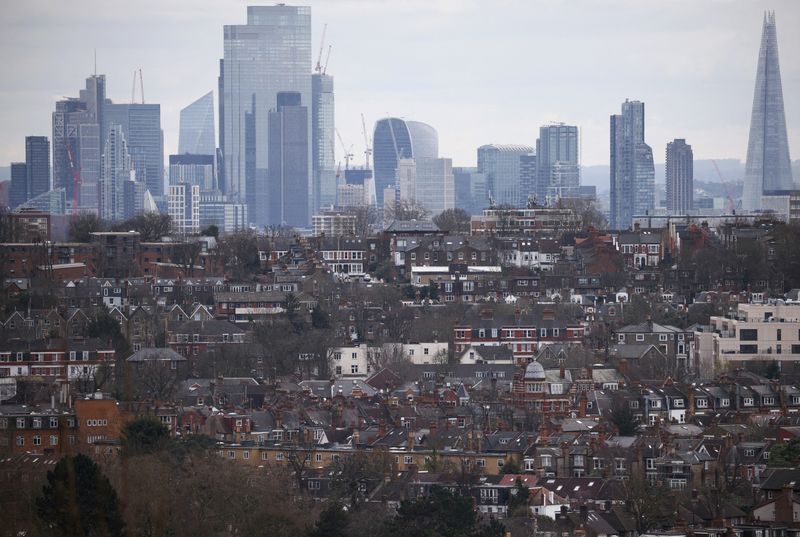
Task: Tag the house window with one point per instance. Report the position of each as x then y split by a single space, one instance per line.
20 441
53 422
547 460
639 337
263 455
37 423
53 440
354 368
231 454
408 459
245 455
37 440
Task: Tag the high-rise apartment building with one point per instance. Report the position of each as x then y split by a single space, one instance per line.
287 199
527 179
680 177
501 165
269 54
141 125
196 134
632 178
768 165
184 208
116 170
78 139
558 163
396 139
37 164
322 141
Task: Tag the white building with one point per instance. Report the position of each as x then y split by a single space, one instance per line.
356 361
434 352
334 224
755 333
184 208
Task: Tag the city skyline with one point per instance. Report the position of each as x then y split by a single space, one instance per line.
678 58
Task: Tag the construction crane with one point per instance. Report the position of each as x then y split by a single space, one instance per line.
367 145
133 87
347 153
327 58
76 177
726 186
318 68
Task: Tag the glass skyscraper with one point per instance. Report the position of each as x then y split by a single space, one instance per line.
501 165
141 125
396 139
271 53
632 178
116 171
322 142
768 165
680 177
37 164
470 190
78 132
287 200
558 163
196 135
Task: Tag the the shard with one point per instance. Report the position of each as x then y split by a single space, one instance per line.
768 165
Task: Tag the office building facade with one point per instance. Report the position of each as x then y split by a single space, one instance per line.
116 170
196 133
141 125
768 166
501 165
470 189
395 139
287 199
680 177
632 180
37 165
217 210
184 208
269 54
18 191
78 139
322 141
193 169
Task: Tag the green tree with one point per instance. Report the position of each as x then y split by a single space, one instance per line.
785 454
332 522
143 436
79 501
623 418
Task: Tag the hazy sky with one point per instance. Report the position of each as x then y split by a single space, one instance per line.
479 72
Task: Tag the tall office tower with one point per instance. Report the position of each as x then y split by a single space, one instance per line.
501 164
680 177
396 139
220 164
78 139
768 165
271 53
322 142
184 208
361 177
527 179
134 194
141 125
37 160
192 169
287 199
196 135
435 189
116 170
470 190
632 178
18 194
558 162
215 209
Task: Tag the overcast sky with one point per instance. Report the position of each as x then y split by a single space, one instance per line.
479 72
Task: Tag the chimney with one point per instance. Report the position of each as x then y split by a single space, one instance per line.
548 314
278 419
410 440
381 428
622 366
561 372
783 504
582 401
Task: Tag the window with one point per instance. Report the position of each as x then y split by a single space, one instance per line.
231 454
263 455
245 455
20 423
354 368
748 334
53 422
37 440
651 464
662 337
408 459
3 423
639 337
748 349
547 460
20 440
481 463
748 401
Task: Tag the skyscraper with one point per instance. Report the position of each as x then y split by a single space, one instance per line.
322 143
501 164
78 139
680 177
527 179
470 190
116 170
271 53
632 178
396 139
768 166
287 200
141 125
193 169
196 135
558 162
18 193
37 161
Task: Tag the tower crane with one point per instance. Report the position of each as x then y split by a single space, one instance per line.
318 68
367 145
327 58
76 177
726 186
347 153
